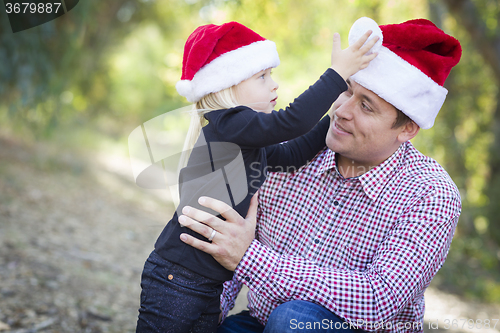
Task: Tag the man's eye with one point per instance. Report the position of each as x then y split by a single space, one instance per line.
365 107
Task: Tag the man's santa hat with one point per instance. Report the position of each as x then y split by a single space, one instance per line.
414 59
217 57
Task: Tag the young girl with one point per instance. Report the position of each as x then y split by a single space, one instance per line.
227 72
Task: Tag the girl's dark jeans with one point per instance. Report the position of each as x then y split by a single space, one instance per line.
176 299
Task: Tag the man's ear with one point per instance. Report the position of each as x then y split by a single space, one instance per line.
408 131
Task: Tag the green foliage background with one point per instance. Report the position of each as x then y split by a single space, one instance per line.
93 75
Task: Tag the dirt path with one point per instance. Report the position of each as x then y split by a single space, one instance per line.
74 233
73 239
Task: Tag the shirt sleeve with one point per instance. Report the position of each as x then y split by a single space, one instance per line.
291 155
403 265
228 297
249 128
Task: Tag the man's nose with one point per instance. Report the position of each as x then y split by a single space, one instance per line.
339 101
345 109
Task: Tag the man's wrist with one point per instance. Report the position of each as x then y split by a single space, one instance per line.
256 266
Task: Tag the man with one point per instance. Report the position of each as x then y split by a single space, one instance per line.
352 240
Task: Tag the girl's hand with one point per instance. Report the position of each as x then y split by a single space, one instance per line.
347 62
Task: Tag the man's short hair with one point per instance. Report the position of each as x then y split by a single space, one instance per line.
401 119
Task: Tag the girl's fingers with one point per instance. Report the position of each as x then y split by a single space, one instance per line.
337 47
367 59
365 64
369 45
372 56
359 43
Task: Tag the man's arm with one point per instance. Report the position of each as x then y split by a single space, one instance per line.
403 265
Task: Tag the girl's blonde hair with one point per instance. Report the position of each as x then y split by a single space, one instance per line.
223 99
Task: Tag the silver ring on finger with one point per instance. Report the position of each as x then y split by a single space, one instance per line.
212 235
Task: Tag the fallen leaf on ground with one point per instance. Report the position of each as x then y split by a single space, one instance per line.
4 326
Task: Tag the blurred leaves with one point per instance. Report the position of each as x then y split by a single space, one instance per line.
60 70
472 113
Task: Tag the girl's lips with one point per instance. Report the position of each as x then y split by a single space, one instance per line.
273 101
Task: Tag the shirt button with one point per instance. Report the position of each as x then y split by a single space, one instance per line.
316 241
247 279
336 203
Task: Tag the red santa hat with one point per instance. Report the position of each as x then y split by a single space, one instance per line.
217 57
414 59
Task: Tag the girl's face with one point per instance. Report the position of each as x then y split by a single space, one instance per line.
258 92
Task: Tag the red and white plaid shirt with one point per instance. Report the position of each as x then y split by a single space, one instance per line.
365 248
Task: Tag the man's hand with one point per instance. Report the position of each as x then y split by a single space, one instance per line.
232 237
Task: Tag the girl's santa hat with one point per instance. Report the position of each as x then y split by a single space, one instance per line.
217 57
414 59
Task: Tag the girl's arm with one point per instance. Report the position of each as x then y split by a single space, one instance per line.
295 153
252 129
228 297
246 127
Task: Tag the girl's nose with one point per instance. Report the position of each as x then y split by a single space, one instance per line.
275 86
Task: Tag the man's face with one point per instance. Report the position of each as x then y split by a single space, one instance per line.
361 127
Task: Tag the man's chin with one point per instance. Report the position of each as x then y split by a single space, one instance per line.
334 145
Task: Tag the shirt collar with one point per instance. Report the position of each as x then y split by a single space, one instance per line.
327 162
372 181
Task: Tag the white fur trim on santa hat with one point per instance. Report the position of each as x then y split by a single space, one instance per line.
404 86
230 69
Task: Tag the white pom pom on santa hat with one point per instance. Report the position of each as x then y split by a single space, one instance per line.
360 27
184 87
